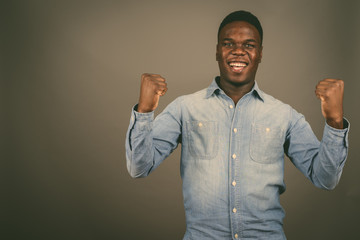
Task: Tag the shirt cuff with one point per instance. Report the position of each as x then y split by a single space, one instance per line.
141 121
334 136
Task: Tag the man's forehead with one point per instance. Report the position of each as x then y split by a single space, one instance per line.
239 28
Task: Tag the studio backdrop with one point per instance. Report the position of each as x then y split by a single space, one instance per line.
70 74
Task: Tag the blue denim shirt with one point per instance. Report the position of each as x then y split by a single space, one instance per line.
232 159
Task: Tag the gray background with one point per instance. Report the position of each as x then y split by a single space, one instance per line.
70 74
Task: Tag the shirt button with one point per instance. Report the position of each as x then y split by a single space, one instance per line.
234 156
234 210
233 183
200 124
231 106
235 130
236 235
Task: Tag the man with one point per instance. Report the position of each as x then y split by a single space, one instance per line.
234 137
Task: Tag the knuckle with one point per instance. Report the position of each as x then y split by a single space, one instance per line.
146 77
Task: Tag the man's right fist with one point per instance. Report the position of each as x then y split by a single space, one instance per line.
152 87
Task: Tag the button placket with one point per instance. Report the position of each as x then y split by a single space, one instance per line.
234 131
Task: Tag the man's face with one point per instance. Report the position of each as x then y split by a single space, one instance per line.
238 52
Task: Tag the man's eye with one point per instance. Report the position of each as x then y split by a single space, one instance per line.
249 45
228 44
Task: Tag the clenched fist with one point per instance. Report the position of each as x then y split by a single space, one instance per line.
152 87
331 93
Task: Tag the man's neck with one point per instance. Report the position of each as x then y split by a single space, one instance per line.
234 91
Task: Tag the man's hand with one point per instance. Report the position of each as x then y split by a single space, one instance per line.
152 87
331 93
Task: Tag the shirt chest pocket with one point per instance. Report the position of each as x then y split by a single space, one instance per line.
202 139
266 144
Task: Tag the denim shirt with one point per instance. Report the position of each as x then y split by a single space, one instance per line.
232 159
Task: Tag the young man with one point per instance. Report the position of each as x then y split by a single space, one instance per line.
234 137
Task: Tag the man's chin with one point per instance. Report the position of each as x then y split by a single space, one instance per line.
236 79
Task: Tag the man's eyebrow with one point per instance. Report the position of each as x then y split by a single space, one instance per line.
247 40
250 40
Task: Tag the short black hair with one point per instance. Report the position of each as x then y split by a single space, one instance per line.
242 16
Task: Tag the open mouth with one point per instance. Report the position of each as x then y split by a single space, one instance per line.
237 66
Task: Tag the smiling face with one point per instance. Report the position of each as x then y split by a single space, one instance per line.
238 52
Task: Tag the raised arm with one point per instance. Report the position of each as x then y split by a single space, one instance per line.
321 162
149 141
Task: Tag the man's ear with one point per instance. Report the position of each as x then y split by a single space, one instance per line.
217 53
260 56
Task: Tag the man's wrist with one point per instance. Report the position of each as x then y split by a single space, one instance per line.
336 123
139 108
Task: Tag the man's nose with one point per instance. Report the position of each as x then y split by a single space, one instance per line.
238 50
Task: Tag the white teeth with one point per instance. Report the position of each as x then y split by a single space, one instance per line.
237 64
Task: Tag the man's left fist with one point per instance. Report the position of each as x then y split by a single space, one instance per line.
331 93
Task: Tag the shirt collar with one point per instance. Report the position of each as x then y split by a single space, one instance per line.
214 88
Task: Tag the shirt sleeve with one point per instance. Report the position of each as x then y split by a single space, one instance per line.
321 162
149 141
